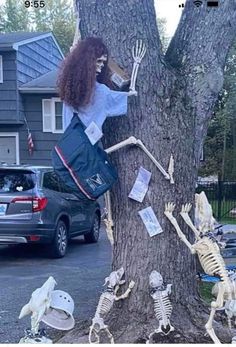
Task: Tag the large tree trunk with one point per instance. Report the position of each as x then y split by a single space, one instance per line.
176 95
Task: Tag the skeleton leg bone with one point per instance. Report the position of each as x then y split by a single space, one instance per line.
214 305
109 221
151 335
93 331
109 334
158 331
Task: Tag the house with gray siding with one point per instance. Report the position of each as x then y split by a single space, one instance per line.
28 97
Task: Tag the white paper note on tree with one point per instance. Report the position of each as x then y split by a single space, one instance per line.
140 186
150 221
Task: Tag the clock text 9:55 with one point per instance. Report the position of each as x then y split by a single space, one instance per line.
35 3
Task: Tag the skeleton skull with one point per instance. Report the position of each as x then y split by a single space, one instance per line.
115 277
155 279
100 63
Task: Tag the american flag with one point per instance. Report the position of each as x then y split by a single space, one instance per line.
30 143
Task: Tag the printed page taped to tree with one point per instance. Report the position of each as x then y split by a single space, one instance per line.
140 186
150 220
93 132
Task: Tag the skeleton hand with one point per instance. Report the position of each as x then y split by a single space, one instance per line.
138 51
131 284
169 208
186 208
122 282
132 92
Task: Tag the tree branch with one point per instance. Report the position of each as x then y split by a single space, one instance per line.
198 50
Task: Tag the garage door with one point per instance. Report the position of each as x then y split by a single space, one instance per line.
8 149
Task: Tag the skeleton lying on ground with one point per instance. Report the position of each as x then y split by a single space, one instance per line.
208 251
38 305
162 305
105 304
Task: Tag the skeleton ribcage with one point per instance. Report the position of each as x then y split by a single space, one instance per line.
105 303
211 259
211 263
162 307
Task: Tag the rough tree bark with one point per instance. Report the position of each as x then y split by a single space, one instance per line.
176 96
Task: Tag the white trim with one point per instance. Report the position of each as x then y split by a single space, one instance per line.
50 116
11 134
54 100
37 90
1 70
46 115
36 38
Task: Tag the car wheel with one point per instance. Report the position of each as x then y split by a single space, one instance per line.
93 235
60 242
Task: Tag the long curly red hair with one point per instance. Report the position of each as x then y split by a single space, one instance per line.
77 76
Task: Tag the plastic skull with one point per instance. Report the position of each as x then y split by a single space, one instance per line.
115 277
155 279
100 63
204 219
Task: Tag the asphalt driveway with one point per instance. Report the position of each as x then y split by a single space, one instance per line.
23 269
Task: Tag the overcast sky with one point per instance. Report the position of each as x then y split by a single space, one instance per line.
168 9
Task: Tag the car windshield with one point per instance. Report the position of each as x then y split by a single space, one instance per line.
16 181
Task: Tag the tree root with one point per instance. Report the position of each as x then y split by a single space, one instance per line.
189 322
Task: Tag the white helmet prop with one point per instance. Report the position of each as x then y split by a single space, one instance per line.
60 313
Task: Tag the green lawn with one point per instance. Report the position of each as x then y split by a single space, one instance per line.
226 206
205 291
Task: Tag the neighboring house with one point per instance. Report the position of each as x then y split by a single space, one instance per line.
28 97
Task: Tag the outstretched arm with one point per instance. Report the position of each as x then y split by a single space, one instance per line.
169 208
184 214
126 293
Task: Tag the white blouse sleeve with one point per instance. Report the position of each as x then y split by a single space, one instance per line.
67 115
116 103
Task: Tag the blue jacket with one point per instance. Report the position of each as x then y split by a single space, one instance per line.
82 166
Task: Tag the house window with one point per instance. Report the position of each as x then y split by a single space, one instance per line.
1 70
52 115
9 148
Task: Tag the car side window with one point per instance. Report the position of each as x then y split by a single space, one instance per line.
66 189
51 181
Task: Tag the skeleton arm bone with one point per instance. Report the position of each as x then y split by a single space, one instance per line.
214 305
130 141
133 141
141 145
118 286
169 208
138 52
126 293
184 214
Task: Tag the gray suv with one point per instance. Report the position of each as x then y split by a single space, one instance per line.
37 207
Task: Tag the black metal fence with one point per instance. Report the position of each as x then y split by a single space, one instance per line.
222 197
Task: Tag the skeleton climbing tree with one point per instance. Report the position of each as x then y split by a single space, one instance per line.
176 97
